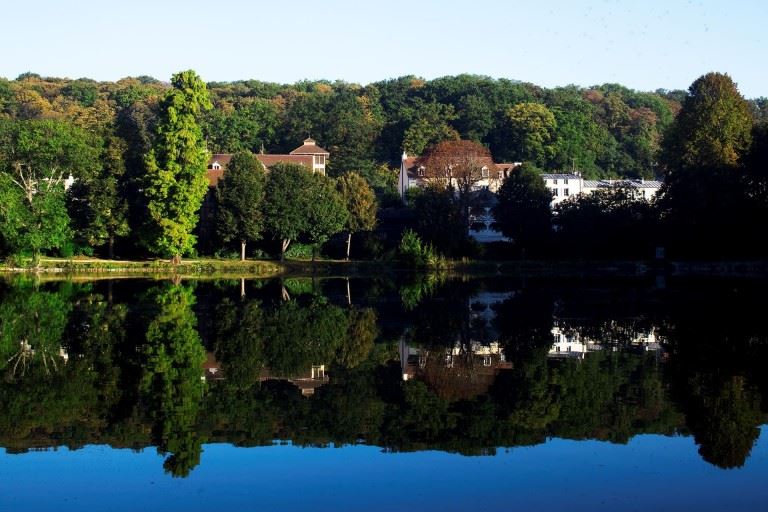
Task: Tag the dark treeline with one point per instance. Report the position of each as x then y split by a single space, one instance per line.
120 363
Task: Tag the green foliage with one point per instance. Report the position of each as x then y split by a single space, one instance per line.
429 125
32 324
173 357
35 158
299 203
362 330
713 127
414 253
239 344
360 202
96 200
532 126
326 210
302 335
175 181
250 125
299 251
240 195
83 91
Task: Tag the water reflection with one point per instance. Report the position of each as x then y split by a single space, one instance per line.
461 365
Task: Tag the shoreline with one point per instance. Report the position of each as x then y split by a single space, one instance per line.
52 268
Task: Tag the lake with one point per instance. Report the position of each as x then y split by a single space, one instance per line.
400 392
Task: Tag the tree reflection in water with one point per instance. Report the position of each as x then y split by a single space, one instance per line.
463 365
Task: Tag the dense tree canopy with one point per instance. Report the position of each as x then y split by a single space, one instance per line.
240 195
713 128
36 157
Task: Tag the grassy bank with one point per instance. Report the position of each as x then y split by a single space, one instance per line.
124 268
92 268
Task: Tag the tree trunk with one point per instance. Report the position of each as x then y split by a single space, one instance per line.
313 253
242 250
349 294
242 287
349 243
111 250
283 246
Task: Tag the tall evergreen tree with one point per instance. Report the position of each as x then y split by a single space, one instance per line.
175 183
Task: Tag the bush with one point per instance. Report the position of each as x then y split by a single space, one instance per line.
414 253
299 251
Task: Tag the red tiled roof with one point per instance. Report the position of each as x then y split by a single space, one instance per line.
270 160
214 175
223 159
309 148
507 166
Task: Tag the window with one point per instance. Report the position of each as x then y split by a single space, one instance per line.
565 191
216 166
554 192
554 181
565 182
484 172
421 171
319 160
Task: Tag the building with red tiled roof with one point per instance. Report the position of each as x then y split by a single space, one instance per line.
413 174
309 155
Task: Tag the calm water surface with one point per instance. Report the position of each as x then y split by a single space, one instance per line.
408 393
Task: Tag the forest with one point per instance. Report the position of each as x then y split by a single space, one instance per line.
139 183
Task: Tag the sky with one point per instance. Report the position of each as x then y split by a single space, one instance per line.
644 45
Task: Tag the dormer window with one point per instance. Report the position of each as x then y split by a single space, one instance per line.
216 166
421 171
484 172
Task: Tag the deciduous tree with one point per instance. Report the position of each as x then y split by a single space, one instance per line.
360 202
285 203
532 126
713 127
523 210
35 159
240 195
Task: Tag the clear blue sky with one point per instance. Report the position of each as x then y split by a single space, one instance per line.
642 44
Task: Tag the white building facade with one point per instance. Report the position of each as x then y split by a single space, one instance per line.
565 185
